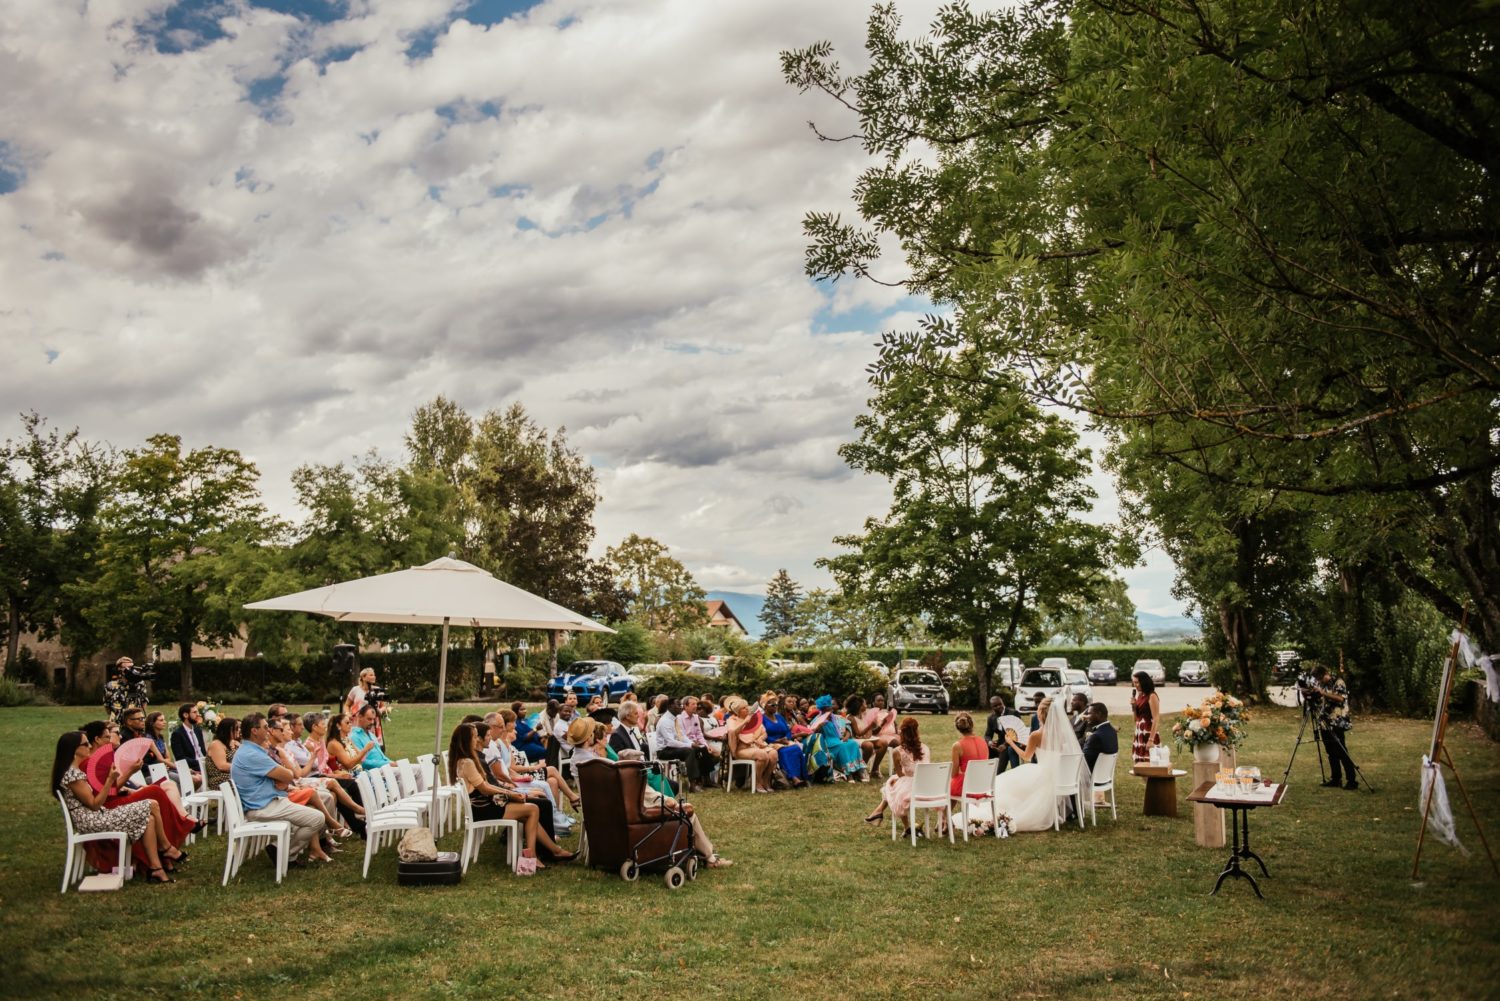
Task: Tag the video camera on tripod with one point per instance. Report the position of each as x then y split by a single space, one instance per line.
139 674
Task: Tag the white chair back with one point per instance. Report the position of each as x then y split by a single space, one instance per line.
410 784
1104 771
155 772
234 810
1069 771
67 817
979 779
930 781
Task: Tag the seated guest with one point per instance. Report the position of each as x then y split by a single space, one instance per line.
188 741
139 821
351 810
967 748
330 796
896 793
219 754
882 731
789 754
176 824
303 788
275 711
1078 707
994 735
506 767
861 728
713 731
527 741
1102 738
261 781
492 801
340 745
746 741
156 731
628 736
653 713
845 754
692 726
362 738
672 743
132 723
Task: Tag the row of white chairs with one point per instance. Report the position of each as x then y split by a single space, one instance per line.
931 792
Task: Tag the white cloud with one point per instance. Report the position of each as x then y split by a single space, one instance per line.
601 221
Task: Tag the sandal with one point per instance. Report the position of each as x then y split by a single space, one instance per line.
564 856
718 862
165 878
875 818
181 857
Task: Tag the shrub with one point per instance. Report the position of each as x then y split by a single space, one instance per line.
841 674
746 674
677 684
630 644
524 682
290 692
13 693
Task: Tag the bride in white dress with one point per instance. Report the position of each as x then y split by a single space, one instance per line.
1028 793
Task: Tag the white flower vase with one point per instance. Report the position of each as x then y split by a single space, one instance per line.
1207 753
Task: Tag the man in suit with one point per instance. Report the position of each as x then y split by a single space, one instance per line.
627 736
188 741
1078 715
994 736
1102 738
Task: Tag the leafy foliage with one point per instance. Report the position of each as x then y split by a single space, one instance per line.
779 613
663 596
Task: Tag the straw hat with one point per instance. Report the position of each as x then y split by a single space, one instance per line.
580 731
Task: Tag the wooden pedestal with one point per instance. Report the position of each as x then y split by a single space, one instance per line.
1208 821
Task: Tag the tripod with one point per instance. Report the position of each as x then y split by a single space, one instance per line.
1317 739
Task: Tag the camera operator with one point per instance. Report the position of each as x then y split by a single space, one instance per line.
367 692
1334 721
126 687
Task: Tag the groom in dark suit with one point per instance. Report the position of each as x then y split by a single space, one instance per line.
1102 738
187 740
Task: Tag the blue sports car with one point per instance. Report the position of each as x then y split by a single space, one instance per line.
604 678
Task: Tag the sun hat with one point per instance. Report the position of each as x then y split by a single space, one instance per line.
580 731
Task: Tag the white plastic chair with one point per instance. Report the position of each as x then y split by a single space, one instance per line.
196 804
1104 781
449 808
75 862
1068 779
475 831
738 763
929 791
388 779
383 824
978 787
249 836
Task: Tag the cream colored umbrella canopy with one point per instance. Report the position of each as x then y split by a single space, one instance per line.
443 592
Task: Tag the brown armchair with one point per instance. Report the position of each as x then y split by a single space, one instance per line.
621 827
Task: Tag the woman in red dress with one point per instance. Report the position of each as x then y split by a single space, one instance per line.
1145 704
967 748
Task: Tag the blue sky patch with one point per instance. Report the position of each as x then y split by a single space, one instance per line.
12 174
495 11
865 318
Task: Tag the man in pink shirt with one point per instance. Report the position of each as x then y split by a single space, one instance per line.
692 728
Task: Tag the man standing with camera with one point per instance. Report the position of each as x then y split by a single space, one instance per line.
126 687
1334 722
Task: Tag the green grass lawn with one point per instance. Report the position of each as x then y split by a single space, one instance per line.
818 903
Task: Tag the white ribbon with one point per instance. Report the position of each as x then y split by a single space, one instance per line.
1439 813
1469 657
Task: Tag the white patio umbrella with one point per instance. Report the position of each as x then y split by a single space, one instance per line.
443 592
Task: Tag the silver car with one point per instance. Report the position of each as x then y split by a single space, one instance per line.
1153 668
1039 683
913 689
1103 672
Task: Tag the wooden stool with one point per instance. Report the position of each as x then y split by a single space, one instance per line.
1161 789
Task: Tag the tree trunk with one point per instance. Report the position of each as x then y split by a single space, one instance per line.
552 653
13 638
983 671
185 644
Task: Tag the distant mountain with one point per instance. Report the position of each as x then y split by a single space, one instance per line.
746 608
1155 626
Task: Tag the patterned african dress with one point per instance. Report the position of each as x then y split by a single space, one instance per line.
1140 707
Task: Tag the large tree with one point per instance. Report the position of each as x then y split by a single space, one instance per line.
1103 611
663 596
1259 240
172 518
779 614
985 520
51 487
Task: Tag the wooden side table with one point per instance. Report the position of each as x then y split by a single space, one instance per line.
1239 810
1161 789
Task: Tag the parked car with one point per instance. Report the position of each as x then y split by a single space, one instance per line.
900 664
704 668
916 688
1055 663
588 678
1044 681
777 664
878 666
679 665
1192 672
1103 672
1153 668
1077 683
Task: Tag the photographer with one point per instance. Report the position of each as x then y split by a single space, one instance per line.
126 687
1334 722
367 692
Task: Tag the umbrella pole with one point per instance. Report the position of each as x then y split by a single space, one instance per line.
437 740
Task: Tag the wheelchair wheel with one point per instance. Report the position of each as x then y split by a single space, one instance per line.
675 878
629 871
691 867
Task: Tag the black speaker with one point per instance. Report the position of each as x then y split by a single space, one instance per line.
346 659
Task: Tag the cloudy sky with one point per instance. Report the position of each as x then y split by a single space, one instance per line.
281 226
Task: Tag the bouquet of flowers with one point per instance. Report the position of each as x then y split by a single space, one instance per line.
210 713
1002 825
1220 719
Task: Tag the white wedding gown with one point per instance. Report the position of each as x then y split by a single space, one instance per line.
1028 793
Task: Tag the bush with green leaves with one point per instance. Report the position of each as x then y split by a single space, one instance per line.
13 693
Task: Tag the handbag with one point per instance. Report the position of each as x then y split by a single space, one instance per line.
417 846
525 866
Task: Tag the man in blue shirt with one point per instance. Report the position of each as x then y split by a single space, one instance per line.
364 733
262 780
